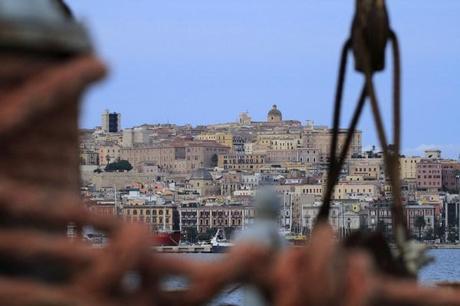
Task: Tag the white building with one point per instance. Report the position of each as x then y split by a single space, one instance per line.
343 218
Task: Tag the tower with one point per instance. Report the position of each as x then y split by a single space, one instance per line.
245 119
111 122
274 115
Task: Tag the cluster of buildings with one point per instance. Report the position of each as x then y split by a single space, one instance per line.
198 179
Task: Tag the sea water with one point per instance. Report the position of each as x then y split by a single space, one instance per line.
446 267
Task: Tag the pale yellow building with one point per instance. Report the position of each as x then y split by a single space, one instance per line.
235 142
157 217
368 168
408 166
313 189
202 182
320 139
225 139
303 156
255 148
251 162
177 156
275 141
108 154
356 190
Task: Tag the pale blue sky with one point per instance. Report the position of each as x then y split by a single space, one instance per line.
204 61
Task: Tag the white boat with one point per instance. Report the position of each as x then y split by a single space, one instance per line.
219 243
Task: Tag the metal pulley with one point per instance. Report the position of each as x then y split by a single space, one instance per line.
370 32
43 26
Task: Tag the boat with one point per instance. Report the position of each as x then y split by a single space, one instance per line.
219 243
293 238
296 239
166 238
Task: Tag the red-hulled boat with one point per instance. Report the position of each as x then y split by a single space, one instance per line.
166 238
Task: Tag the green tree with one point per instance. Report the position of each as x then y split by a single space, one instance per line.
191 235
122 165
452 234
383 228
438 231
206 236
420 224
429 234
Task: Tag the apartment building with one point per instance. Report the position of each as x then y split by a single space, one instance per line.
319 138
298 155
450 175
89 157
356 190
278 141
368 168
251 162
181 156
415 211
228 139
429 174
408 167
159 217
109 153
221 216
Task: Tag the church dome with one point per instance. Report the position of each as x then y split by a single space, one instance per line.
274 115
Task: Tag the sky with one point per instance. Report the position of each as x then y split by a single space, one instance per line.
205 61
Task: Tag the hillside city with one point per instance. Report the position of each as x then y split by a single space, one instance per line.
199 179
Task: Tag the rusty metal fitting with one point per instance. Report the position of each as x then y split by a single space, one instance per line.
369 34
44 26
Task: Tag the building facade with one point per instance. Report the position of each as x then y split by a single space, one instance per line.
108 153
429 174
111 122
408 166
180 157
252 162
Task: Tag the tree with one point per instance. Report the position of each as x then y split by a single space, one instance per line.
438 230
122 165
420 224
191 235
452 234
206 236
214 160
429 234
